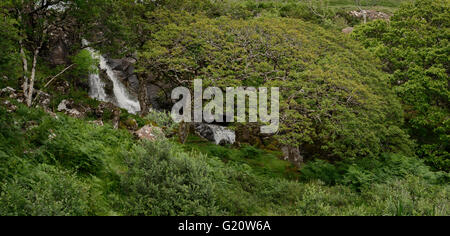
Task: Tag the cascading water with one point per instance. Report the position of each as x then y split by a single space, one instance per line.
97 88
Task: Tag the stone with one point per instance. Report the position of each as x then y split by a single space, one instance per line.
9 106
130 70
133 83
43 99
66 106
96 122
215 133
104 106
115 64
150 133
8 92
58 53
292 154
52 135
370 15
347 30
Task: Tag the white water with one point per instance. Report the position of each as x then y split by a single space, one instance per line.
97 88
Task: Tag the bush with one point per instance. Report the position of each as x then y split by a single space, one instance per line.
163 120
163 180
84 147
320 170
45 191
414 49
248 151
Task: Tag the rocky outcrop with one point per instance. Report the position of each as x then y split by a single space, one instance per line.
150 133
370 15
215 133
8 92
292 154
66 106
124 70
41 99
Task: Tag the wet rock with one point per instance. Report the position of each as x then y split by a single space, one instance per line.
115 64
130 70
133 83
121 64
150 133
215 133
292 154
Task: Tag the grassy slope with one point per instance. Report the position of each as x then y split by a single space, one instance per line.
91 170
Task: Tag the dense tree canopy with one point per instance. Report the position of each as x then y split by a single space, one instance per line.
414 47
335 101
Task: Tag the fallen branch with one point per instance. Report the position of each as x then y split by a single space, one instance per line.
60 73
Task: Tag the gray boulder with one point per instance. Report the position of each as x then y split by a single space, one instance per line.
292 154
133 83
215 133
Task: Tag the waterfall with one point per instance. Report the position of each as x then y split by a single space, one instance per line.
97 88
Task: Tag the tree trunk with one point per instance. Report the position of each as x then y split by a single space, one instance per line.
29 96
25 68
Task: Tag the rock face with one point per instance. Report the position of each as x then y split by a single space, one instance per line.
124 70
292 154
8 92
370 15
40 98
150 133
215 133
69 107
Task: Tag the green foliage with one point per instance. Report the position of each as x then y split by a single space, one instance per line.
414 47
163 120
320 170
84 64
161 180
9 50
364 173
45 191
334 100
249 151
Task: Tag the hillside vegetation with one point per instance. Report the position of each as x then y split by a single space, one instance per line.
368 111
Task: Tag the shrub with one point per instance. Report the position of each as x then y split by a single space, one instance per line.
414 49
320 170
248 151
45 191
163 180
162 119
